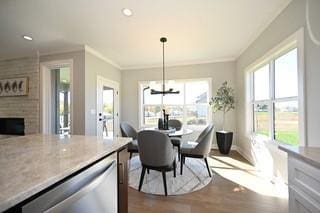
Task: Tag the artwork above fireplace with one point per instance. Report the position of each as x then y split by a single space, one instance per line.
13 87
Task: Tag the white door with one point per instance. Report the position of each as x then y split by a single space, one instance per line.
107 107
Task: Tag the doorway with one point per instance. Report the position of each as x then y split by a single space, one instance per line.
61 94
107 108
56 97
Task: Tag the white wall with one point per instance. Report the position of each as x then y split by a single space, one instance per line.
95 66
86 68
218 72
288 22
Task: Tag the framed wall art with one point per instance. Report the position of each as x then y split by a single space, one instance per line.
13 87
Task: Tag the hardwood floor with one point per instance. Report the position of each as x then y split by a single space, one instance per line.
236 187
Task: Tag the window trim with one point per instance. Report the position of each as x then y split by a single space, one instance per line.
140 105
296 40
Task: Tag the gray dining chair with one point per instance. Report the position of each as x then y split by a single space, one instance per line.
176 141
156 153
175 124
198 149
128 131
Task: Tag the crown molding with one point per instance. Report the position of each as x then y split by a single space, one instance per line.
101 56
315 40
85 48
175 64
263 27
61 51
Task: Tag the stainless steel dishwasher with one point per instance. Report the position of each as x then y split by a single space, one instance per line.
93 190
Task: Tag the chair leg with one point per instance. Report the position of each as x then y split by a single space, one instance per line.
174 168
148 171
209 171
164 182
179 153
130 155
181 164
142 177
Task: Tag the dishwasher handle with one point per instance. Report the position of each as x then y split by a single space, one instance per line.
63 205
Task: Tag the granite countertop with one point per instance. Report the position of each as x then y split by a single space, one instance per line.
32 163
8 136
308 154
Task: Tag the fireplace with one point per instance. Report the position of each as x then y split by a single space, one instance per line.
11 126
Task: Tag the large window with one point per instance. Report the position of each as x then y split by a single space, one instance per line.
275 99
190 106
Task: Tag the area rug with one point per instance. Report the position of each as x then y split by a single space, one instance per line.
195 177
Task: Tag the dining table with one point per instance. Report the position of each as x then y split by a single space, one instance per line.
171 132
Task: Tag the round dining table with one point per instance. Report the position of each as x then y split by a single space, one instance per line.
172 132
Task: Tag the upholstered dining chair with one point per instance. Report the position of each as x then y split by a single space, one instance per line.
156 153
176 141
128 131
198 149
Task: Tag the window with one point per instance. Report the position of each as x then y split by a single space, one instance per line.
261 118
261 83
190 106
261 96
275 99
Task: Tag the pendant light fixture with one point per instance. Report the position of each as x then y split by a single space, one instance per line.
163 91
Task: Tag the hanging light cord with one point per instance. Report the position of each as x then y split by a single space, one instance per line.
163 76
163 91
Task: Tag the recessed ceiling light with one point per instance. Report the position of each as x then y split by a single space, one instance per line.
127 12
27 38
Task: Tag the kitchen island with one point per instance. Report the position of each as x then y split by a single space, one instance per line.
303 178
33 165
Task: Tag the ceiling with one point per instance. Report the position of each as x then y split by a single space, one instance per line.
199 31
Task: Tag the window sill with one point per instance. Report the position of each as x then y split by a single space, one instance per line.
266 139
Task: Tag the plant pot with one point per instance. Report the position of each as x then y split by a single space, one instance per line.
224 141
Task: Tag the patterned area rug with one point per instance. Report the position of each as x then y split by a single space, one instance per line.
195 176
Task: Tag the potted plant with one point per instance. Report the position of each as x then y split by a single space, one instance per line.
223 101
